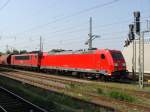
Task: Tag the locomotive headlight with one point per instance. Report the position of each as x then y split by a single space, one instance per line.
116 64
124 64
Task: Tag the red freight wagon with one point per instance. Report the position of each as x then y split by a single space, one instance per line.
104 61
25 60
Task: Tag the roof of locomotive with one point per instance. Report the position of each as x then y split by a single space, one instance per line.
83 51
29 54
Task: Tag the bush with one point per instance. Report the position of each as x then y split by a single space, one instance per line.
72 85
121 96
99 91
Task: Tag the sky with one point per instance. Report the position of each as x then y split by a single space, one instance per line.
64 24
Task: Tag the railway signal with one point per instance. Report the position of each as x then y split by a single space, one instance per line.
137 22
131 35
127 42
131 32
134 31
141 47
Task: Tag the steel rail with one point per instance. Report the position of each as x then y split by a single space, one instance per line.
3 109
66 80
57 89
21 99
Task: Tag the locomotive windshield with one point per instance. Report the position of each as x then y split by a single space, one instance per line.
116 55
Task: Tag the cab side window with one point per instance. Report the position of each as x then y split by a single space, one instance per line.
102 56
35 56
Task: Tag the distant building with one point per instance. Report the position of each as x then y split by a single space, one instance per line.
128 53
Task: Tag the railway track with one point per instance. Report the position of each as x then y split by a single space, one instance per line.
68 80
10 102
44 84
60 84
64 82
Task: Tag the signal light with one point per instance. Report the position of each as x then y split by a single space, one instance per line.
131 27
124 64
137 22
127 42
131 33
131 36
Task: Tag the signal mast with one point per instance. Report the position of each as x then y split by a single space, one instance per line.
91 36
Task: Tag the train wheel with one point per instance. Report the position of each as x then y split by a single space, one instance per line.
103 78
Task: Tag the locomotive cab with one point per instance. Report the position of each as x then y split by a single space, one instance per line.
112 64
119 65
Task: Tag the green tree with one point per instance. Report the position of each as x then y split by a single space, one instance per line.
15 51
1 53
8 52
23 51
56 50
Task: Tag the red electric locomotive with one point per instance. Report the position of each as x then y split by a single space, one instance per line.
94 63
30 60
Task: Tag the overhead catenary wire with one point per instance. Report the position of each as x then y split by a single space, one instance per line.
100 5
70 39
4 5
62 42
74 38
104 26
69 16
66 43
102 34
60 19
71 43
70 31
110 24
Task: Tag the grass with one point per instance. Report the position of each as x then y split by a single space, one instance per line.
48 99
110 90
99 91
72 85
121 96
112 93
